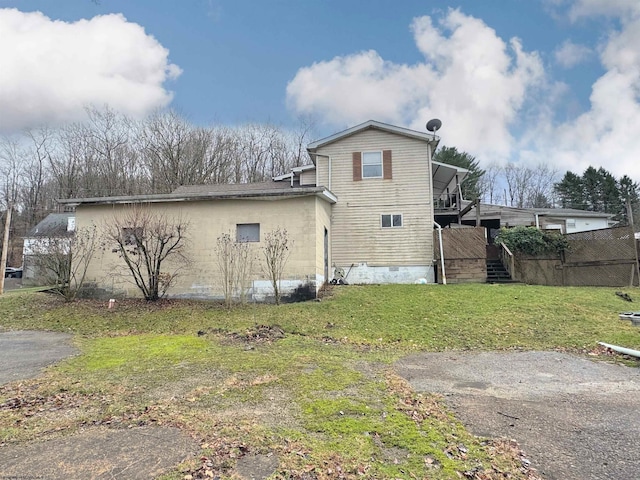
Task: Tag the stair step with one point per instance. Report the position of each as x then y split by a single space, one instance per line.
496 273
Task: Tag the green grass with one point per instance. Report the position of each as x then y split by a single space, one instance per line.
424 317
322 398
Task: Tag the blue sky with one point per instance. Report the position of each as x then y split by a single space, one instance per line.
556 81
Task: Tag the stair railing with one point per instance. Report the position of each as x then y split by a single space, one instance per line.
507 259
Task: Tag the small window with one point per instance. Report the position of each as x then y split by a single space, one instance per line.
131 235
247 232
371 164
392 221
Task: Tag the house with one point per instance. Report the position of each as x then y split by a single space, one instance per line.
494 217
54 228
363 209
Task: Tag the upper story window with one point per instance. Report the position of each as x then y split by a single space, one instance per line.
371 164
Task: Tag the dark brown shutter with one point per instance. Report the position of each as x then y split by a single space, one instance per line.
357 166
387 167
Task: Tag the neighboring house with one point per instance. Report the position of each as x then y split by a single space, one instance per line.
55 227
563 220
364 207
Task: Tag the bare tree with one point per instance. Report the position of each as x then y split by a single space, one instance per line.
63 260
148 242
489 184
276 251
235 261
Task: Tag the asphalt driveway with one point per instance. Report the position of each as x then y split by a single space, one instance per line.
23 354
576 419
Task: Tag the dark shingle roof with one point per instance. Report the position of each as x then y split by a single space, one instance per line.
54 225
231 188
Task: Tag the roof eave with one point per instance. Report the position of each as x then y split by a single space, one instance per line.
166 198
373 124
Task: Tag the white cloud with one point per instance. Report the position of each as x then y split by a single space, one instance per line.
608 134
52 69
570 54
471 79
611 8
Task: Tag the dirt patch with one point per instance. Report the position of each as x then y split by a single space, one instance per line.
257 467
137 453
575 417
24 354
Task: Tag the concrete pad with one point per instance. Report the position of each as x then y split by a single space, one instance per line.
99 453
577 419
24 354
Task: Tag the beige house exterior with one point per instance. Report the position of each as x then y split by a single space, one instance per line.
363 207
210 212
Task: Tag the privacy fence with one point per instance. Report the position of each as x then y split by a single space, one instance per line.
465 254
605 258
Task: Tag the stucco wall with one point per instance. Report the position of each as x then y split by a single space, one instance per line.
207 221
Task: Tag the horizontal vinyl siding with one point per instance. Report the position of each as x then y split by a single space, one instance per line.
308 178
356 233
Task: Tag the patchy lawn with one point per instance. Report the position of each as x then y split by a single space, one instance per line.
309 383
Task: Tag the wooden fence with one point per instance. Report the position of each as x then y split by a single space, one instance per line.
465 254
597 258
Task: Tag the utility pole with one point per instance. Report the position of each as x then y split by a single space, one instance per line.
5 245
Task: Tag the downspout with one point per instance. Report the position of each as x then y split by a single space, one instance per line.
444 275
329 166
623 350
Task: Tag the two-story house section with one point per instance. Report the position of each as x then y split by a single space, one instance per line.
384 179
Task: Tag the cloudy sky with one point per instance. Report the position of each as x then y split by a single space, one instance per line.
555 81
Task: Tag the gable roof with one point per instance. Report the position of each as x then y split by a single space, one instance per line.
256 191
53 225
374 125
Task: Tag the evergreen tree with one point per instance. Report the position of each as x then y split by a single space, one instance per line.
570 191
451 156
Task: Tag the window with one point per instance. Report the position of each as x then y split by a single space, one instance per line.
247 232
392 221
371 164
132 235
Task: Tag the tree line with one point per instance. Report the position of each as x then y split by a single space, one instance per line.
111 154
541 186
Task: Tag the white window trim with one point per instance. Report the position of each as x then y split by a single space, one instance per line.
381 164
392 226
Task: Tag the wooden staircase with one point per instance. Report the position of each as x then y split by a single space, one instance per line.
496 273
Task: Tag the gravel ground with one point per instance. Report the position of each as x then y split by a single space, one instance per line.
577 419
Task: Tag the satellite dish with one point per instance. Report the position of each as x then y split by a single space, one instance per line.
433 125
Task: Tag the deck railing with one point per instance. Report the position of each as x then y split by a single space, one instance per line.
507 259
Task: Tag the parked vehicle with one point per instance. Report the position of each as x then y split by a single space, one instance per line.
11 272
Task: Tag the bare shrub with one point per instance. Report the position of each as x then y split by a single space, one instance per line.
276 252
148 241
